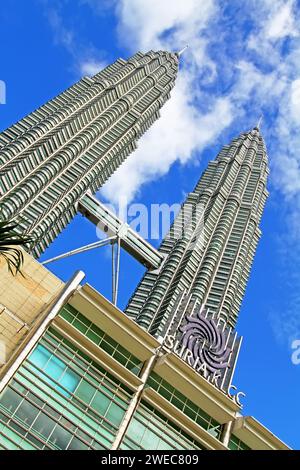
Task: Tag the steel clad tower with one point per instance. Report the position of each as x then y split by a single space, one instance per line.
75 142
209 255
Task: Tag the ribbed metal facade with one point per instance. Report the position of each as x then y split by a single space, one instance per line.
75 142
212 269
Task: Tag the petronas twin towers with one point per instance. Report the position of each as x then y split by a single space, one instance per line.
50 159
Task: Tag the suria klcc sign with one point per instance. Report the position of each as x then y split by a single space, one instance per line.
210 347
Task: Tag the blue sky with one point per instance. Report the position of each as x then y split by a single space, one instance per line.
243 60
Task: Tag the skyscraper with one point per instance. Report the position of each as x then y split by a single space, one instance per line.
209 254
74 143
75 372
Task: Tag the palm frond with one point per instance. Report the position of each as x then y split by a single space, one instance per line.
9 239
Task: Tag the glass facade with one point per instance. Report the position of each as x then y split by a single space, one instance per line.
150 429
236 444
61 399
101 339
108 344
185 405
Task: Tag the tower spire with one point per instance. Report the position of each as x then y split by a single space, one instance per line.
179 53
259 122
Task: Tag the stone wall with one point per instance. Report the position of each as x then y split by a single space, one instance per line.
23 299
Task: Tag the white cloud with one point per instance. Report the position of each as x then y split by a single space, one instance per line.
169 24
295 100
281 59
282 23
182 129
251 80
90 67
270 79
62 35
175 136
285 152
277 20
86 59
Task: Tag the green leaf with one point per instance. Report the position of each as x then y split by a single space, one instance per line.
9 239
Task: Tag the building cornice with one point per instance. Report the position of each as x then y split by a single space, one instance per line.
184 422
257 436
